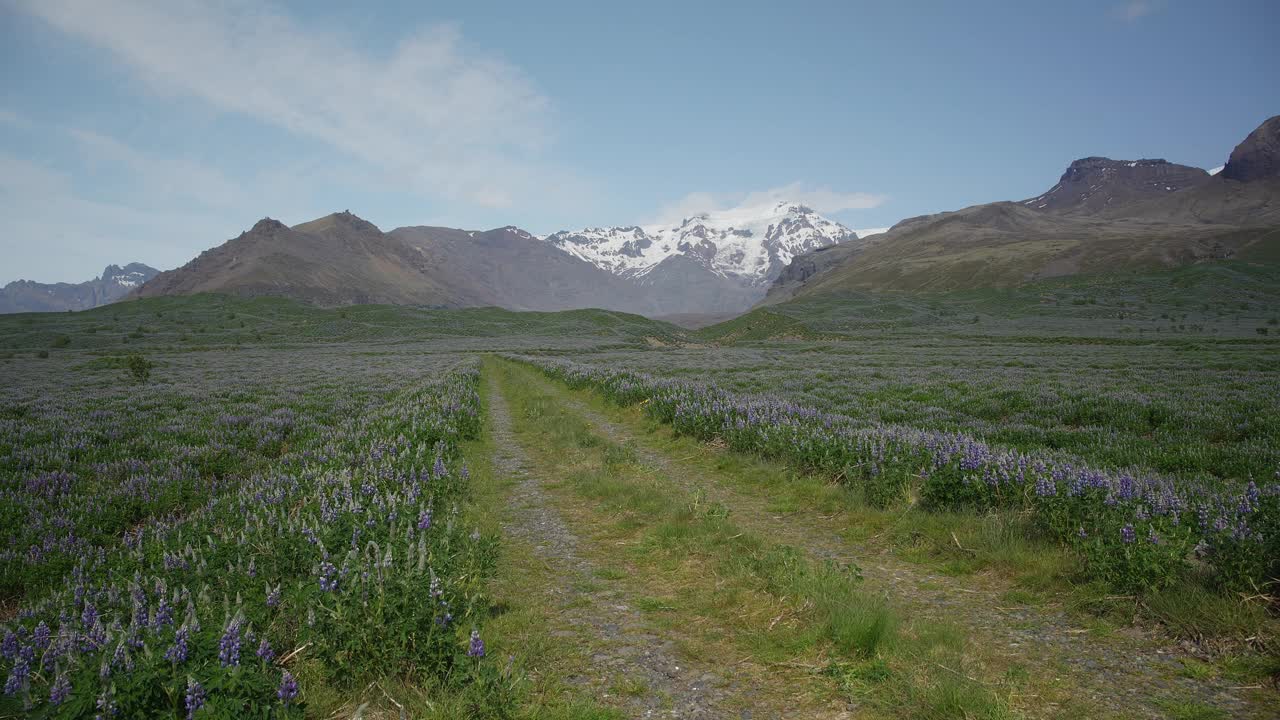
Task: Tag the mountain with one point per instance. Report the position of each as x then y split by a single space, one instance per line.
1102 215
338 259
508 267
710 263
1258 157
115 283
713 262
1096 184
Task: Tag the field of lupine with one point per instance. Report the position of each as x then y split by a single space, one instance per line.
168 545
214 507
1147 471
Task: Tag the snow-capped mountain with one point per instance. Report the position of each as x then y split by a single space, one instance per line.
749 245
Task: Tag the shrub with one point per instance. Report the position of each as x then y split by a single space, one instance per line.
139 367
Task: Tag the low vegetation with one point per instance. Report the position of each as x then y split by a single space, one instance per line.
215 506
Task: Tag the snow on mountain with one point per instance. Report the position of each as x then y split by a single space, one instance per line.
129 276
864 233
750 244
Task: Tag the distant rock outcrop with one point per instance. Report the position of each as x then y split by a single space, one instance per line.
1258 157
1097 184
115 283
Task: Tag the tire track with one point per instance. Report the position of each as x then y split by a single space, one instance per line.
1123 675
626 650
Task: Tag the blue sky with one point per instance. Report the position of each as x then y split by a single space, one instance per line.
150 130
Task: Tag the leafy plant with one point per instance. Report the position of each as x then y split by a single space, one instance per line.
139 367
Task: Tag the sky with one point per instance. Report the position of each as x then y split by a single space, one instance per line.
150 130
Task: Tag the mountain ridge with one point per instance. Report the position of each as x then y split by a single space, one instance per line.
751 244
114 283
1102 214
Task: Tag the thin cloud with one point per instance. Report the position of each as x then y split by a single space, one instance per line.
821 199
8 117
433 115
165 177
1134 10
81 235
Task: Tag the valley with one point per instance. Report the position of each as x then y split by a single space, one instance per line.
670 534
639 361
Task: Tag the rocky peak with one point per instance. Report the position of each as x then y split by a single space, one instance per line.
346 218
1258 157
267 226
517 231
1094 184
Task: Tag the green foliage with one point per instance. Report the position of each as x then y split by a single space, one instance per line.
139 367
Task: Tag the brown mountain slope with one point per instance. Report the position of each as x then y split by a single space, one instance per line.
339 259
1097 185
510 268
1258 157
1102 215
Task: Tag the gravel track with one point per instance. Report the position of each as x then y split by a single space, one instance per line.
1123 674
626 650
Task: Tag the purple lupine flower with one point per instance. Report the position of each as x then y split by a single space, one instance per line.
229 645
195 697
1081 532
328 577
424 520
163 616
288 688
60 691
273 597
9 648
1127 534
178 653
18 676
1152 537
41 636
265 652
89 616
106 706
475 648
1045 486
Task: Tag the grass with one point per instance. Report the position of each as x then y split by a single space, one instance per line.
518 627
694 567
1191 710
997 546
202 322
1166 372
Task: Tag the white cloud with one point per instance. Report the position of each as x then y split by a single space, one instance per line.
164 177
431 115
77 236
821 199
